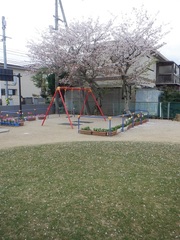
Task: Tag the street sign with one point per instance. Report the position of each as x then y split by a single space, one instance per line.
6 74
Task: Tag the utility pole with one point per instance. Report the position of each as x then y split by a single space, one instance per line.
56 15
63 14
20 103
57 19
4 50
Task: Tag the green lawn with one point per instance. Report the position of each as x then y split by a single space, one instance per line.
90 190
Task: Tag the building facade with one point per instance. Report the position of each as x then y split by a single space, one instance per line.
29 92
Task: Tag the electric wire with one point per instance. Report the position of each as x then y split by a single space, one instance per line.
16 57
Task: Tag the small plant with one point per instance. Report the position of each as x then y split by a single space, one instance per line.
114 129
31 118
86 128
100 129
41 116
117 127
143 116
137 120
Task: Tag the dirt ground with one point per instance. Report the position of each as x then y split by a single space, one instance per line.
57 129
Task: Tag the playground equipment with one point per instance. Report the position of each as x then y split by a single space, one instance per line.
88 92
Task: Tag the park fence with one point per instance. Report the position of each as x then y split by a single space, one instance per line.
27 109
164 110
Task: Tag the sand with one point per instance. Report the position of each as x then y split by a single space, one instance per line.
57 129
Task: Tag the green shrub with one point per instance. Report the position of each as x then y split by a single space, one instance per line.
86 128
100 129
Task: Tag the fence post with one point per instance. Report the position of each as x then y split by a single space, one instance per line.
78 123
109 118
168 110
132 119
122 130
160 109
140 117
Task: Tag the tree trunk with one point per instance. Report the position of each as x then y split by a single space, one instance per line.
88 109
126 96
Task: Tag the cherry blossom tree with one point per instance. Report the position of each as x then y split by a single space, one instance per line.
78 50
89 49
136 40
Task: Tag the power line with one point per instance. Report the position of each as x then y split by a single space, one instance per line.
15 56
18 52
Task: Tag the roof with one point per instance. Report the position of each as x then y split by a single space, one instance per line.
11 66
161 57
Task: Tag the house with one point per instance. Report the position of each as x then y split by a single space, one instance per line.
147 88
161 73
29 91
168 74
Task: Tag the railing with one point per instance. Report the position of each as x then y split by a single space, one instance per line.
168 110
167 79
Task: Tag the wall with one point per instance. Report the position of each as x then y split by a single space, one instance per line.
27 86
148 99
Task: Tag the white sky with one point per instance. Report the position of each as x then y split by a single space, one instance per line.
26 17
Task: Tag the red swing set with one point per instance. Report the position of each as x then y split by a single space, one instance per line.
88 92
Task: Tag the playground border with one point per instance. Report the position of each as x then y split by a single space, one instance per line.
127 121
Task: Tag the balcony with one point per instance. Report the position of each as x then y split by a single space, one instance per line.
167 79
168 73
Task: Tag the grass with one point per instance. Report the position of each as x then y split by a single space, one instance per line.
90 190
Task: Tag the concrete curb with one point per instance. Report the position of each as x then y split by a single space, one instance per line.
2 130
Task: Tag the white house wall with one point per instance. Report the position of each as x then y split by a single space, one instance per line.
27 86
148 78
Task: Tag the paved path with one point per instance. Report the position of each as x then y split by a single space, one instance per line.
57 129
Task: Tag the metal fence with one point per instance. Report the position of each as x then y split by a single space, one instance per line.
168 110
27 109
156 109
165 110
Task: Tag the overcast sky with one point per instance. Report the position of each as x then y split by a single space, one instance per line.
27 17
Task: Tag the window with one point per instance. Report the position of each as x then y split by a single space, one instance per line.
2 92
165 69
11 92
